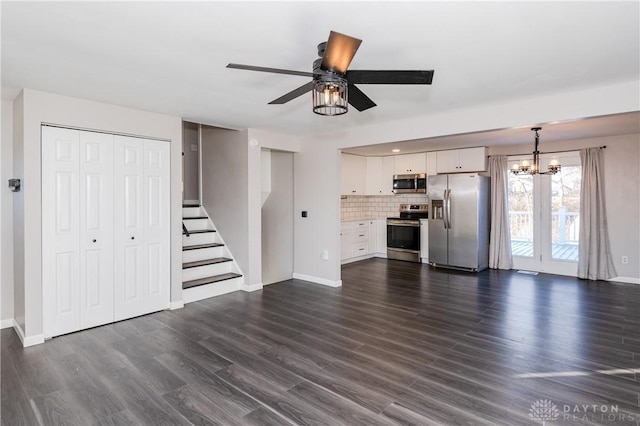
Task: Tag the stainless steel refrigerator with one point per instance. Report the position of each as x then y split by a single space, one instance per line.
459 220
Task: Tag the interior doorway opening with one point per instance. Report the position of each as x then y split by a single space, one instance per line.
190 163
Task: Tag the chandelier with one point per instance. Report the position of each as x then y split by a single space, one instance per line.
533 169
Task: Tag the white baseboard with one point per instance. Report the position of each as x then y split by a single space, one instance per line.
176 305
628 280
317 280
252 287
28 341
7 323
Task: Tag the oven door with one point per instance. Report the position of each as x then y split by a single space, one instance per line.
403 234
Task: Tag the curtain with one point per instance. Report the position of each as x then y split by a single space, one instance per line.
500 235
595 261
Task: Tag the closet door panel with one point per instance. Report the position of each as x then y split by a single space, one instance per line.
60 231
128 227
96 223
156 225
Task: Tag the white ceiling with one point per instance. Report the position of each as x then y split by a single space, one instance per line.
170 57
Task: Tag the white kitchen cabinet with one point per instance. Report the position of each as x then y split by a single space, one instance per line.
355 240
363 239
432 163
353 174
410 163
424 240
381 237
462 160
345 240
105 228
380 172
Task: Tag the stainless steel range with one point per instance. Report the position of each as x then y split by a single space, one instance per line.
403 232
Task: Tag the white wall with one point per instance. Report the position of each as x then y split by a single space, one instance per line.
317 165
225 192
622 192
317 190
40 107
6 216
277 221
19 218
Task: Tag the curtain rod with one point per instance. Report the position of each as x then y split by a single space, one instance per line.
549 152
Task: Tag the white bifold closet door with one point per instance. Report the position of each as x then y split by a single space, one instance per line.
77 229
141 226
105 228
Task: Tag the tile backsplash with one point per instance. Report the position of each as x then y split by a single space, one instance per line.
358 207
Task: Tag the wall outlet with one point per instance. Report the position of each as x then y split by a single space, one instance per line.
325 255
625 260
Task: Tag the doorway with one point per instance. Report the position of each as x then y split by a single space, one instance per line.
544 213
190 163
277 216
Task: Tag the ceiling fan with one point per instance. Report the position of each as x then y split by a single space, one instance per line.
333 85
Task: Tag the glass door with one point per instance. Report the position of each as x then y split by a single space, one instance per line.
544 212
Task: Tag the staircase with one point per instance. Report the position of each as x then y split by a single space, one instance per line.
208 268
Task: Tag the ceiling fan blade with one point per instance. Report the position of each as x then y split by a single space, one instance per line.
293 94
389 77
272 70
358 99
339 52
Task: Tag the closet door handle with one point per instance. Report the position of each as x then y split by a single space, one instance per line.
133 238
94 241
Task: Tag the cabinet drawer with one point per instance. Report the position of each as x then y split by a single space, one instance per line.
361 249
360 236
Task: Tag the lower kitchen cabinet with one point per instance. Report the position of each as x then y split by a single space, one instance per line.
362 239
424 240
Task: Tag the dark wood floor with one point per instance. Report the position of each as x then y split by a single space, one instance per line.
399 343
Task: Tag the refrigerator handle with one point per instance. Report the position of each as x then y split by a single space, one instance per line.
415 183
446 214
448 207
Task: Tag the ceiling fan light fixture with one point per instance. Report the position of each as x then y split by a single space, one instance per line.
330 97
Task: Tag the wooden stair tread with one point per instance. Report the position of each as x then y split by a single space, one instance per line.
205 262
202 246
201 231
190 205
195 217
209 280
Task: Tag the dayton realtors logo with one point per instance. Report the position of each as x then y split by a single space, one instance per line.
543 411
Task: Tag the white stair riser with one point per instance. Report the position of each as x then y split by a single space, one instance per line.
191 212
206 271
195 224
210 290
202 254
197 239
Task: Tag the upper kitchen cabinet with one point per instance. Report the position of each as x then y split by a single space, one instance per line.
410 163
462 160
380 172
354 173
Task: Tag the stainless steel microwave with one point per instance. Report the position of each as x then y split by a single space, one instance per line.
410 184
